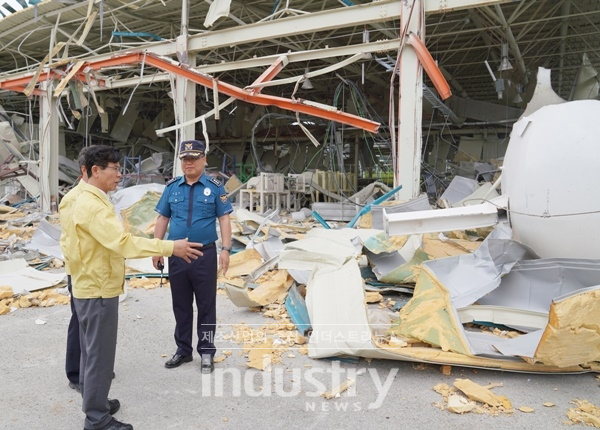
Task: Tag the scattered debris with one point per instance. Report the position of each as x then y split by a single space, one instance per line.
446 370
264 346
526 409
147 283
373 297
478 399
42 299
585 412
459 405
6 292
262 355
4 307
481 394
395 342
336 391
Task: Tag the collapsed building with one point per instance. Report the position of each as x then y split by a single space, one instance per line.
319 116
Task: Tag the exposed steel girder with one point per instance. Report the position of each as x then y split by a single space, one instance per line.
19 85
21 89
272 71
185 71
250 96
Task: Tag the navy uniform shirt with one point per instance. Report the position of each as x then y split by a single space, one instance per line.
193 210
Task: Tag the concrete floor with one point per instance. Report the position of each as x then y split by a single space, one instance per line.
35 394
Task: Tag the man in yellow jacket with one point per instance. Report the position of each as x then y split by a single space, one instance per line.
96 246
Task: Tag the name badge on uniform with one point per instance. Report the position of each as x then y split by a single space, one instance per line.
207 192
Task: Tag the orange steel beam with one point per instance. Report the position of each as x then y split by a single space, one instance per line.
10 84
21 89
297 105
185 71
272 71
19 84
428 63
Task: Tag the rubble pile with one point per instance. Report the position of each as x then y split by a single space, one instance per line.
42 299
461 305
584 412
469 297
26 273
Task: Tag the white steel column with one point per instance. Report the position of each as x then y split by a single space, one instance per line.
185 105
185 91
410 101
48 161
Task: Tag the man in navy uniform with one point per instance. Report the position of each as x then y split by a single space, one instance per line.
73 345
190 206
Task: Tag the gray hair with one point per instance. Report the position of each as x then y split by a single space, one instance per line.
81 156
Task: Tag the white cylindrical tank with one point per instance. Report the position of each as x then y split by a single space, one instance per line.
551 176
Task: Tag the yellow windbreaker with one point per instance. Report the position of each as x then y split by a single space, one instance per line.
65 212
96 246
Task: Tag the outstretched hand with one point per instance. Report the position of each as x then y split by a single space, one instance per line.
187 250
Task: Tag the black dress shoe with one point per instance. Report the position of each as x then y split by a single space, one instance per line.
75 386
207 365
177 360
116 425
115 405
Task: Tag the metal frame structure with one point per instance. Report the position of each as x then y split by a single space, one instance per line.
54 40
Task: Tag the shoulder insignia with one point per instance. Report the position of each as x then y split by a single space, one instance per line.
223 198
175 179
215 181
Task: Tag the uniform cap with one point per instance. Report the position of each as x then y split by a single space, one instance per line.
191 148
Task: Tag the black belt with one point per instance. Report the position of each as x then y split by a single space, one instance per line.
210 245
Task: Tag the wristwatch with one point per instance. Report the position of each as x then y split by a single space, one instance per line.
226 248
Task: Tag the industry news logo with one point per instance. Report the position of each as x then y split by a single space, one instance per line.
325 389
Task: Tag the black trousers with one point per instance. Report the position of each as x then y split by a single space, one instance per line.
73 345
198 280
